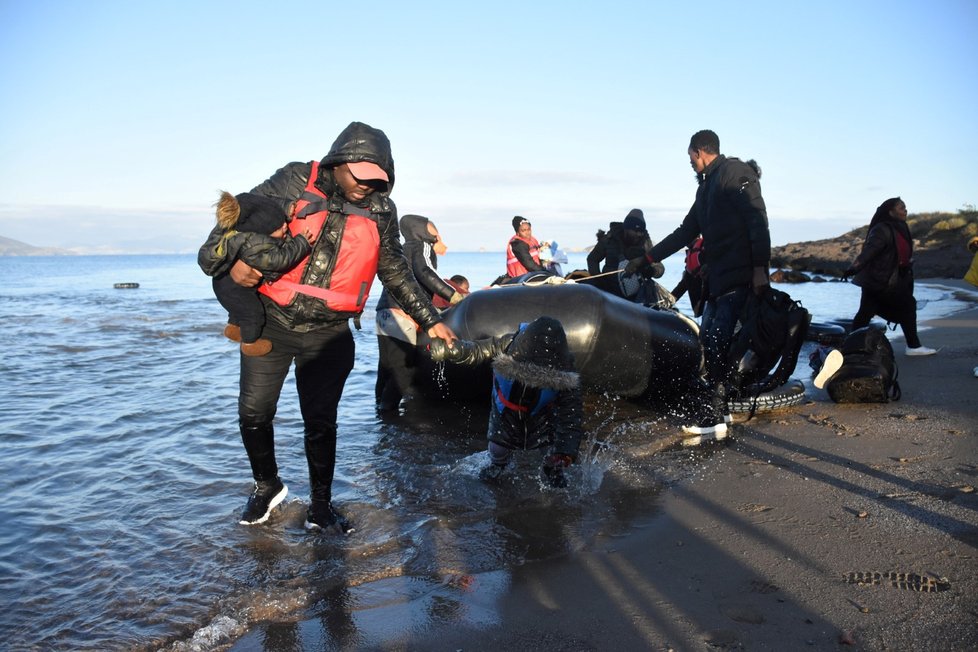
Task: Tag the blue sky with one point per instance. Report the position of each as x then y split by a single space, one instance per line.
120 121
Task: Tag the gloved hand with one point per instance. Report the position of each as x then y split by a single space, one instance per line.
458 296
441 351
438 348
558 459
553 469
634 265
849 273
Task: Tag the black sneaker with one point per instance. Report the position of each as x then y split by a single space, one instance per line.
322 515
491 473
709 424
266 495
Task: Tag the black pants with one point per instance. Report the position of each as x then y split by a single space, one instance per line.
243 305
323 360
897 306
396 364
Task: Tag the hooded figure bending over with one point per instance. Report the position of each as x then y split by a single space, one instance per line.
536 395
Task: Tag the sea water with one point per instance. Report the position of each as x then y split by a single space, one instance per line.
123 474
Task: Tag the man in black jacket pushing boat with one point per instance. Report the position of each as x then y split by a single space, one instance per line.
536 395
730 214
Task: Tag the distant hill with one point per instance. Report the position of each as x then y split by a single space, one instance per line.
10 247
940 247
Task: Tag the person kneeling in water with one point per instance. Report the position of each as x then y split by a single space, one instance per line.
536 395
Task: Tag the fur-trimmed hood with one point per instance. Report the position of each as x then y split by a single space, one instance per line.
539 356
534 375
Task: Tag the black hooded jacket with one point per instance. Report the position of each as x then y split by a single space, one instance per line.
358 142
730 214
422 260
612 250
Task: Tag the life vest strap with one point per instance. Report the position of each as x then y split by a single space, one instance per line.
325 294
507 403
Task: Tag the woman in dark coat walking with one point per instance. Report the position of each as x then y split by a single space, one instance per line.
884 271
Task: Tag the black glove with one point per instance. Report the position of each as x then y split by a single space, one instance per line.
634 265
441 352
849 273
553 469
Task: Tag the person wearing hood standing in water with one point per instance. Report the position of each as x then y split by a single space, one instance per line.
536 396
344 199
730 214
884 271
397 334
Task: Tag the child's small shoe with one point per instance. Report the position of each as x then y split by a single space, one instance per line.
259 347
233 332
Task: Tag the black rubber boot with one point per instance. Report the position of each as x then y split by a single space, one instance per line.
269 491
259 443
321 456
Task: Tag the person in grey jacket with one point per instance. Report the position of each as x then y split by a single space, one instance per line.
344 199
396 332
730 214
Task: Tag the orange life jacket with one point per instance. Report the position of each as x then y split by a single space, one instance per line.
514 267
355 264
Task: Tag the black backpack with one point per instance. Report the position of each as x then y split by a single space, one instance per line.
869 370
773 327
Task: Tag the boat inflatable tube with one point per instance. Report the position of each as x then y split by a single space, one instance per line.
620 348
790 394
826 333
126 286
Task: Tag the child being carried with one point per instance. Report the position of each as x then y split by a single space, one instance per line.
254 229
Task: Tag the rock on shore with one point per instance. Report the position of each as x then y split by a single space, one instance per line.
940 248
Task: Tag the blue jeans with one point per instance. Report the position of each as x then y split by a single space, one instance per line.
716 332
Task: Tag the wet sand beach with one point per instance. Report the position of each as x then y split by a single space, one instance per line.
823 526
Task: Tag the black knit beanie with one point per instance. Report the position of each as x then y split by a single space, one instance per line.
635 220
259 214
517 220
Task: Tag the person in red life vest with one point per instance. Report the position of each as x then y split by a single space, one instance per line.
253 229
523 250
345 200
460 283
884 271
396 332
536 396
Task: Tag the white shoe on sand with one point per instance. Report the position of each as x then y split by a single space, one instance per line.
921 350
833 361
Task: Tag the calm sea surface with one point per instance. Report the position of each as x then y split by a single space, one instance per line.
123 474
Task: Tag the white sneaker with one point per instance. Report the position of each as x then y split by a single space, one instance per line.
921 350
833 361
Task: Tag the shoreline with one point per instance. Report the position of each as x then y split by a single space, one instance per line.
762 547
